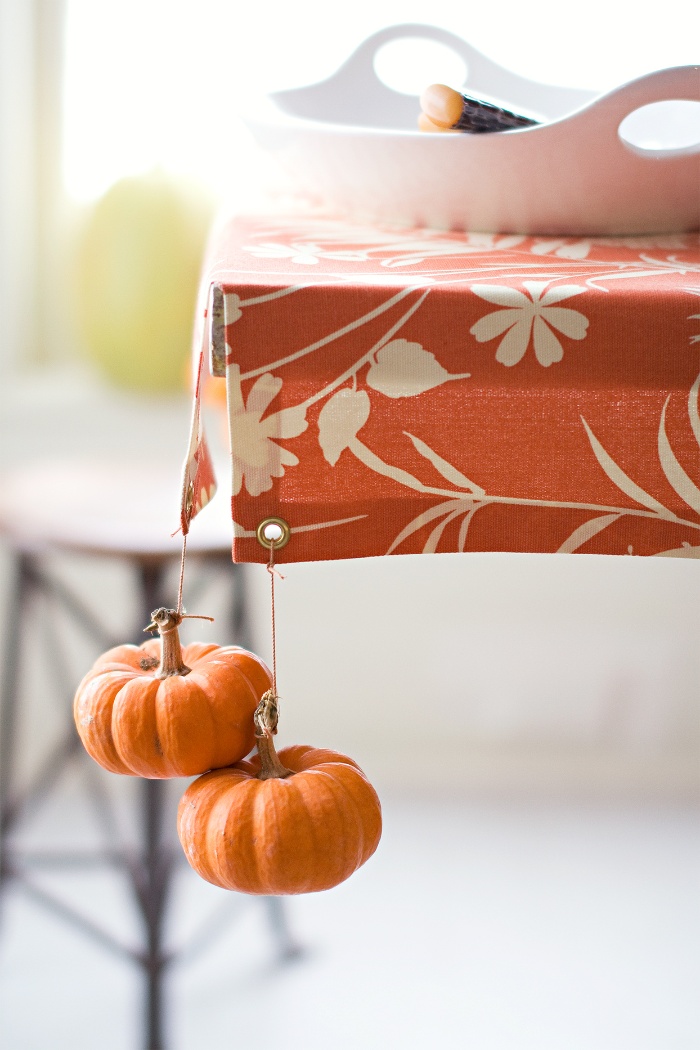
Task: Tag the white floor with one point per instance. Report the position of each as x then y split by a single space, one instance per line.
480 924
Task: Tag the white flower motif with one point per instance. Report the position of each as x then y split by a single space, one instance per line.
256 456
524 315
304 254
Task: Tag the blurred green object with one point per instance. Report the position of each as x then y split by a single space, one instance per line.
138 261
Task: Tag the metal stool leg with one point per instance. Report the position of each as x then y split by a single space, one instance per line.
157 871
8 704
157 856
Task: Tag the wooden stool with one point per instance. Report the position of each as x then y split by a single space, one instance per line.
124 511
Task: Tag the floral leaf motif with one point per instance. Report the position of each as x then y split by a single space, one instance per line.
264 390
500 295
448 472
387 279
255 455
414 253
464 528
241 533
586 532
491 242
686 551
619 478
304 254
693 413
524 316
541 292
290 422
431 544
677 477
548 349
340 420
232 307
447 507
562 248
388 470
404 369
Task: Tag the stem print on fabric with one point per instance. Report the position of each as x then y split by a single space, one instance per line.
684 486
367 409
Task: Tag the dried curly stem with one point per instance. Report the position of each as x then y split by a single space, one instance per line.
166 622
265 719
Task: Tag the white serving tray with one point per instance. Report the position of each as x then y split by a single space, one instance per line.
352 143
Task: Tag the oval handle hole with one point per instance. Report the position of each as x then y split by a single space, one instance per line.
662 126
409 65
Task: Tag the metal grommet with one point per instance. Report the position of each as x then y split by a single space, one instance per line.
282 529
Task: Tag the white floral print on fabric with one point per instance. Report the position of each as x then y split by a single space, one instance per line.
563 249
695 338
525 315
404 369
339 421
232 307
256 456
305 254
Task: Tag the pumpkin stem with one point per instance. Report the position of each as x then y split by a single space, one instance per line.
265 719
166 622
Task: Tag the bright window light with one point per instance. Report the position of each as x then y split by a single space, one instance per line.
154 83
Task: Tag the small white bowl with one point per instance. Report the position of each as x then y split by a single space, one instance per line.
352 143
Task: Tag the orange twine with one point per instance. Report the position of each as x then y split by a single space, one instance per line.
273 572
182 576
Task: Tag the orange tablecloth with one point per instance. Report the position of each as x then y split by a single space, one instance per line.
398 391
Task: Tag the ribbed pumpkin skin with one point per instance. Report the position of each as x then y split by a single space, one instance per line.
132 722
300 834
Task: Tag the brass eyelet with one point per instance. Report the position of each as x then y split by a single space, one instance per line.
284 533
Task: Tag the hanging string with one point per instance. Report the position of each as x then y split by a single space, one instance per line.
273 572
179 614
182 576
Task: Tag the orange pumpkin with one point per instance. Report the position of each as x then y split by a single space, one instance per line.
297 822
159 710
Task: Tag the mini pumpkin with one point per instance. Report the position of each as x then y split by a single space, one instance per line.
160 710
295 822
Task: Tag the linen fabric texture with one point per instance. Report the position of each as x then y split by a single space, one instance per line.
403 391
